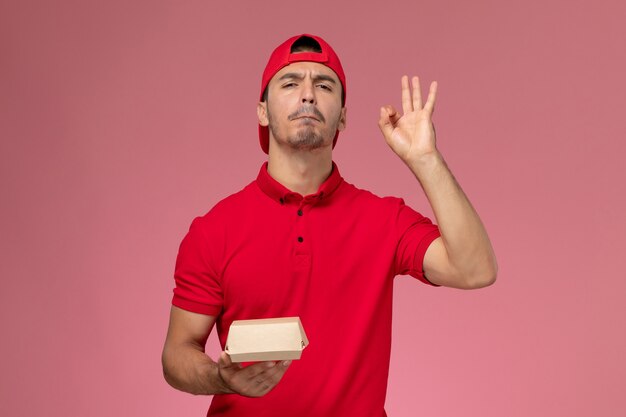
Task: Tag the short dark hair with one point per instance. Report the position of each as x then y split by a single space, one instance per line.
306 44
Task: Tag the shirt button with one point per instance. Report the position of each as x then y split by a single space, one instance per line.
300 239
299 212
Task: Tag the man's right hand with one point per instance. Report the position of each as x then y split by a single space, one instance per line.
186 366
254 380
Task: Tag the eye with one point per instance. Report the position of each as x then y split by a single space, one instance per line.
288 85
325 87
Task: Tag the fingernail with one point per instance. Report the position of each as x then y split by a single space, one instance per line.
270 364
286 363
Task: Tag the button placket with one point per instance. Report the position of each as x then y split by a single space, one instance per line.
301 236
302 242
299 222
302 239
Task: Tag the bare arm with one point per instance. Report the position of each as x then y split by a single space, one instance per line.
463 256
187 368
185 365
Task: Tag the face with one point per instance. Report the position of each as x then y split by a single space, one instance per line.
303 108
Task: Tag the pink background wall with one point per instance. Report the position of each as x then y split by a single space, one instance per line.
122 120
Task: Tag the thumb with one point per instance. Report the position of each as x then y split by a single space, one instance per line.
384 122
224 361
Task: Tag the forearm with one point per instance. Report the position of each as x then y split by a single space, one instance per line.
466 241
187 368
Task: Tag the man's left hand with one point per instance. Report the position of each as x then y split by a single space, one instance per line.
412 135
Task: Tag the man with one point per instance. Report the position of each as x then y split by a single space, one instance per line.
301 241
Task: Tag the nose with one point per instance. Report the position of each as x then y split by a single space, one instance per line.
308 92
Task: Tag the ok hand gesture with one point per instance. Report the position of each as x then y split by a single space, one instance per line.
411 135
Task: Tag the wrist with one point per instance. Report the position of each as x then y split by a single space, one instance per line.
220 386
424 163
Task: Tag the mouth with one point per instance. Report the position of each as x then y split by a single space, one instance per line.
307 117
308 114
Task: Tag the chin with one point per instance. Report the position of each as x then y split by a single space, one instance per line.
307 139
310 146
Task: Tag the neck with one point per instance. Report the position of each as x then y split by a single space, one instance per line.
300 172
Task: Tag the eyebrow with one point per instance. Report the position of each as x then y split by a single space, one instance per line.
300 76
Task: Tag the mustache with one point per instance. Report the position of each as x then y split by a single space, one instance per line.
307 110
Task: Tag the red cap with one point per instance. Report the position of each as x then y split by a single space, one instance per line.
282 56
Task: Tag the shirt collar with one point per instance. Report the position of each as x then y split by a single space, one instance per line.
278 192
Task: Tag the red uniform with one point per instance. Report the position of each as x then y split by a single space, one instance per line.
329 258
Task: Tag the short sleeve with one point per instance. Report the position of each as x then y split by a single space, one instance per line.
415 233
198 287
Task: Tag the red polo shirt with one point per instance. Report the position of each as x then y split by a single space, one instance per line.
329 258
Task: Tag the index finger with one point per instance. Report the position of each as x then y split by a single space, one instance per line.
252 371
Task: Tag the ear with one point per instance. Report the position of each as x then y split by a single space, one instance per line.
342 119
261 112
